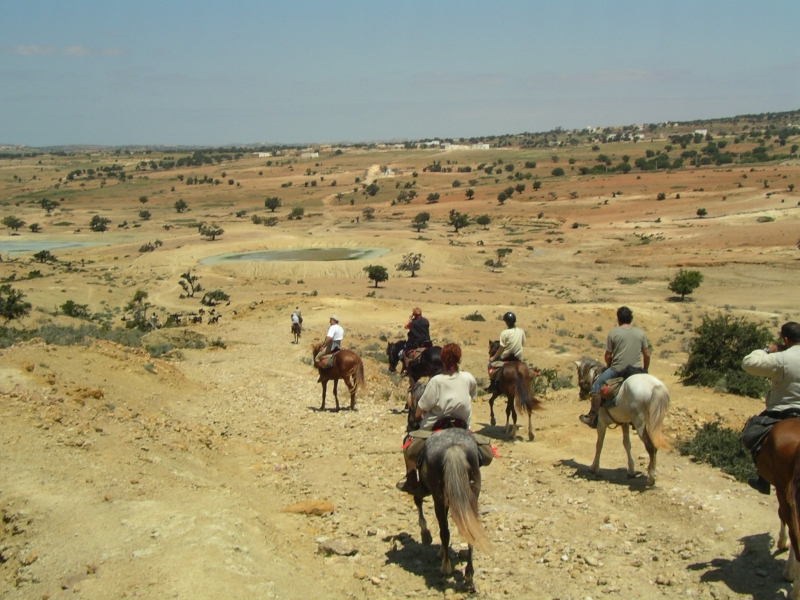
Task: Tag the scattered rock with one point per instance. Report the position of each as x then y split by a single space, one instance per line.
338 547
28 557
310 507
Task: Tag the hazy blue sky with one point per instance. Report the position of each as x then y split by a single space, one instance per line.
198 72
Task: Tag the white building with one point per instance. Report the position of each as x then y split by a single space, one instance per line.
701 131
309 155
264 154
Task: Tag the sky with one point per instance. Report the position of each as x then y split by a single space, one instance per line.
194 72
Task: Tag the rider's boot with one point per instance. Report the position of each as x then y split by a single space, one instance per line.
410 485
759 484
590 418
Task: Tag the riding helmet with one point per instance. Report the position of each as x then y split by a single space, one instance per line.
510 319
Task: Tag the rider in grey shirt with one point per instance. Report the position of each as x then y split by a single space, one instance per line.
626 346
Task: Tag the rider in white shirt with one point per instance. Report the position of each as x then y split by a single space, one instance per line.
333 339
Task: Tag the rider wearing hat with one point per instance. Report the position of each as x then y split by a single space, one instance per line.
512 340
333 340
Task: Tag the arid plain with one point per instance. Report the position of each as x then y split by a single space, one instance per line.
130 475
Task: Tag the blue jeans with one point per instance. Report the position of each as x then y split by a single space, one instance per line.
605 376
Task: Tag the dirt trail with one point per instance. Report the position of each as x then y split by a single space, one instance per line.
172 483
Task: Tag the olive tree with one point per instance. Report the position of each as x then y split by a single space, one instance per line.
411 262
11 304
685 282
376 273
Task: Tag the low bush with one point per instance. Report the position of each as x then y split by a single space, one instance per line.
716 353
719 447
476 316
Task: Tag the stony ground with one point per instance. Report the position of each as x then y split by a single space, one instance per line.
127 476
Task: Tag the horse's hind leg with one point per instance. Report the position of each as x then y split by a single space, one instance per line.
626 443
424 532
511 430
783 539
530 426
324 393
469 571
351 386
336 393
444 536
653 452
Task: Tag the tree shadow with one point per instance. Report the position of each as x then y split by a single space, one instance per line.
737 573
679 299
618 476
424 561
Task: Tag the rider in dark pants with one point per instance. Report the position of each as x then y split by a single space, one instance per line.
418 333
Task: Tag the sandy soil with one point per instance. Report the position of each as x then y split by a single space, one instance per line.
124 475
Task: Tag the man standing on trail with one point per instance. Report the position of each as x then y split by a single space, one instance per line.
333 340
781 364
626 346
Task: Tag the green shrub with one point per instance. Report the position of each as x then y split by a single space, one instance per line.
476 316
159 350
719 447
716 353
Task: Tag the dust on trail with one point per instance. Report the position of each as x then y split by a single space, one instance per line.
170 480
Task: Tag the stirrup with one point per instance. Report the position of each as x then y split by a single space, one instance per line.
409 487
589 419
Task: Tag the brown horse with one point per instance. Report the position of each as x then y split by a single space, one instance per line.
297 329
778 461
514 382
347 365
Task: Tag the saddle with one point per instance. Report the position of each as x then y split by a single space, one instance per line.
610 390
758 427
414 355
327 361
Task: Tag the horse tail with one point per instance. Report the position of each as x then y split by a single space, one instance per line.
657 410
359 374
525 401
463 503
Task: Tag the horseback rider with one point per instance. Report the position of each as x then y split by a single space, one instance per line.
418 334
626 346
449 394
332 343
297 317
781 364
512 340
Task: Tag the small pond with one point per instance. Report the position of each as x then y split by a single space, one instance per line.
297 254
33 246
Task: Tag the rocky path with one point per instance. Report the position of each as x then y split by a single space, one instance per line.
125 476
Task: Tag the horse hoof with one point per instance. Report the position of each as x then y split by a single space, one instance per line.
427 538
651 482
530 437
631 475
493 422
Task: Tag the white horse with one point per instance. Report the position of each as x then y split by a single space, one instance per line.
642 401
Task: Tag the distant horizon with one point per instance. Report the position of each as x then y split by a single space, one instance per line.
185 73
254 145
